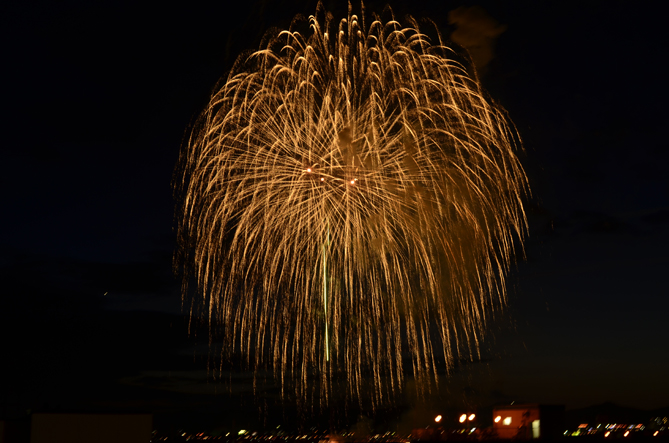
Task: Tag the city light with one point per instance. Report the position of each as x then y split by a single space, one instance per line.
429 433
472 416
463 417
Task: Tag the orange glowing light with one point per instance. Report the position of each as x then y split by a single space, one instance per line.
655 433
463 417
322 179
308 169
471 417
627 433
352 182
607 433
437 418
498 418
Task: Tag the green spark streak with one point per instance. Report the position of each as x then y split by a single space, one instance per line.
325 298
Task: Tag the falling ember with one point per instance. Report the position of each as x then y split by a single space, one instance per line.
377 284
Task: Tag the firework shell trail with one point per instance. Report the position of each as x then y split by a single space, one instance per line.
350 203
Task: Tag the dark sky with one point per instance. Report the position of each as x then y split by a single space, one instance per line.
98 95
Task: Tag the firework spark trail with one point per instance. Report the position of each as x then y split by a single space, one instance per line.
368 152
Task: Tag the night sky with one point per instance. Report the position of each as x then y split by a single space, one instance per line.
97 97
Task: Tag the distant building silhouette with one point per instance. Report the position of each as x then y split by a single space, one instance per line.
528 421
86 428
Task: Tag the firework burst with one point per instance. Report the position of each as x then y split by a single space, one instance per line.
350 204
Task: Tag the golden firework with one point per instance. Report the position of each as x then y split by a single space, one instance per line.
350 204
